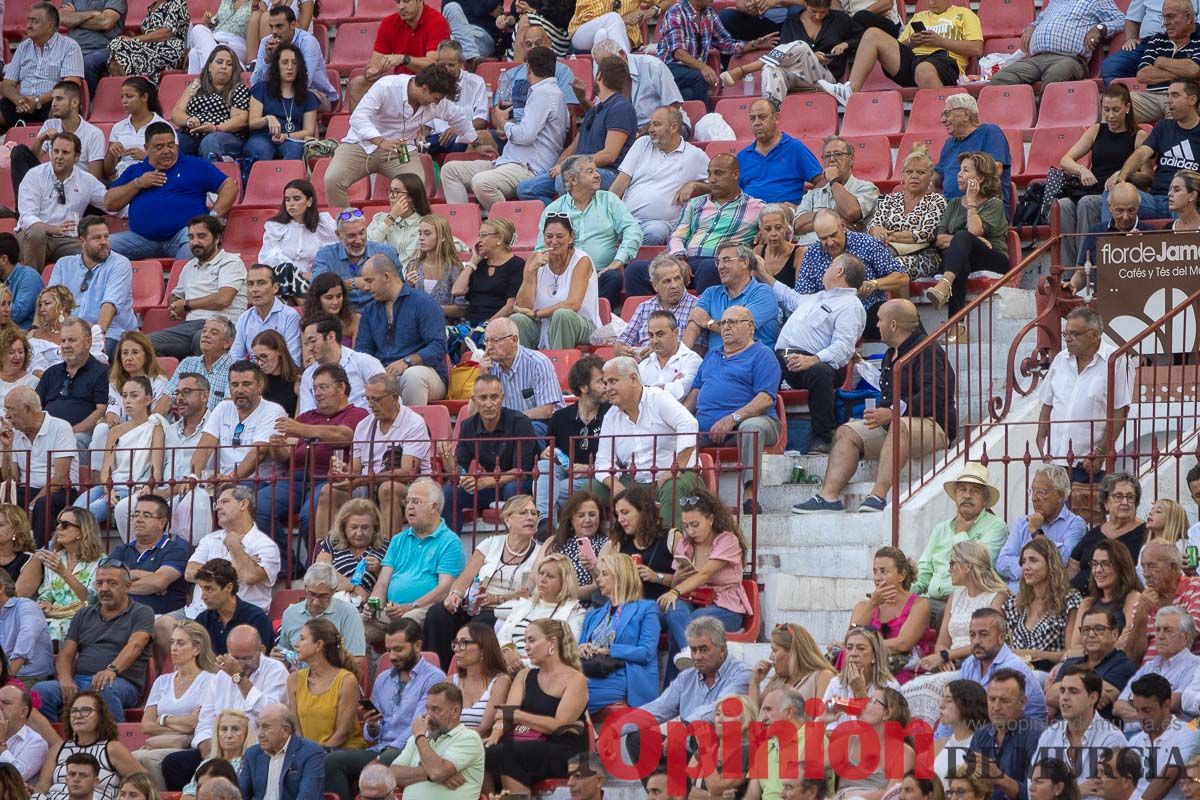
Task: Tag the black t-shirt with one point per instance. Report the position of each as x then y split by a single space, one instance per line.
487 294
1082 553
836 28
282 392
565 423
499 446
74 398
1177 148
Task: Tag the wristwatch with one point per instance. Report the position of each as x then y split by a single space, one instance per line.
408 361
737 418
406 60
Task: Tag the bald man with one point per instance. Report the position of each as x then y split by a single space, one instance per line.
723 214
775 166
302 773
1123 201
928 421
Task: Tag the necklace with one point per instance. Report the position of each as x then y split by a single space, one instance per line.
288 125
514 553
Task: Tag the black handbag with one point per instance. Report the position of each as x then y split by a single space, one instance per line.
601 666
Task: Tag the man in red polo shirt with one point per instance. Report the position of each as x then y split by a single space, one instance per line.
1166 585
407 42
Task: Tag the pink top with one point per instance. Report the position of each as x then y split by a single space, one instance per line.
727 583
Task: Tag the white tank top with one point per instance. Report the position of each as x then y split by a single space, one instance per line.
553 289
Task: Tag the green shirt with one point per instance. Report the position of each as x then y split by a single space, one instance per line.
933 568
463 748
991 214
604 229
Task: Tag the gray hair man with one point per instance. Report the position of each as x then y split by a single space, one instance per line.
711 674
320 583
1048 494
669 276
651 84
376 783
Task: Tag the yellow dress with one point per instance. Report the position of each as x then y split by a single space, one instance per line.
318 712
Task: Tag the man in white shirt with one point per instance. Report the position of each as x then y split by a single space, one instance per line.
670 364
266 312
534 143
253 555
246 680
53 198
650 430
1165 741
28 435
65 102
1080 728
390 115
656 175
651 84
243 430
1076 388
819 338
472 102
324 344
212 284
1174 630
20 745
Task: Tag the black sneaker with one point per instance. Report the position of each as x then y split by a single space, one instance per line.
817 504
872 504
750 506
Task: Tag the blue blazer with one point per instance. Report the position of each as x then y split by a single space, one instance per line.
637 629
303 771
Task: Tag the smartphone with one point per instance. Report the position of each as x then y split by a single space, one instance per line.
585 546
368 706
917 26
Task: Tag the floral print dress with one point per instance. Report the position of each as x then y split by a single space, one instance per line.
152 58
55 592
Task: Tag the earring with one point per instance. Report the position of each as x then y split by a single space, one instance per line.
552 651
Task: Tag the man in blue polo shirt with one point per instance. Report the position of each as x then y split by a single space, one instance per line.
163 192
156 559
345 258
422 560
776 167
738 287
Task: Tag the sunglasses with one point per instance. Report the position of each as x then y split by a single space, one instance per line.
87 280
60 190
237 434
349 214
689 502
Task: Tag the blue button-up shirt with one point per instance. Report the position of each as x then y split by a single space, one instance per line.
1148 15
1063 27
333 258
314 60
24 634
417 327
689 698
878 259
399 703
25 283
1035 700
111 282
1015 754
1065 531
282 319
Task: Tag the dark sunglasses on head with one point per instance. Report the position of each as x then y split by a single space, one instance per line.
349 214
689 502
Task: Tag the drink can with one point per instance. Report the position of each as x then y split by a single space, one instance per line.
402 154
797 474
373 606
637 560
1192 556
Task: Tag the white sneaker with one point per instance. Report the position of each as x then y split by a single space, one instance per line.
683 659
840 91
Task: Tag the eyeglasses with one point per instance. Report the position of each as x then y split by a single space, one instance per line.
1122 498
60 190
82 712
461 644
959 793
394 193
349 214
237 434
729 323
1098 566
498 339
835 155
326 596
1092 630
689 502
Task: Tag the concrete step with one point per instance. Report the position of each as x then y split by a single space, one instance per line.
780 499
777 469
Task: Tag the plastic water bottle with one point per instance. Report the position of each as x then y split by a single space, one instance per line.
562 459
357 578
474 597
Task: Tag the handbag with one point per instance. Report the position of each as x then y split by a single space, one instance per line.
701 596
523 733
600 666
907 248
462 380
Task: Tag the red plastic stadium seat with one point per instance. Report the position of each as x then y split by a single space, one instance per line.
1047 149
106 105
563 360
171 88
752 624
335 12
16 14
811 114
750 86
1016 150
926 113
631 304
1000 18
1069 103
131 735
932 140
320 32
694 110
354 45
732 148
156 319
872 113
338 127
872 158
581 67
147 285
736 111
437 419
360 190
281 600
244 231
22 134
231 170
490 71
167 364
525 214
373 9
264 187
1006 45
464 219
1007 106
923 5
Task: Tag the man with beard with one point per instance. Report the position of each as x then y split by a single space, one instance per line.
242 430
990 654
106 649
52 198
399 697
101 282
443 759
212 284
76 390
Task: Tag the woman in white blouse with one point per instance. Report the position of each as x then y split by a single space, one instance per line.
502 565
134 356
127 140
407 204
555 596
557 306
15 355
54 304
173 707
298 231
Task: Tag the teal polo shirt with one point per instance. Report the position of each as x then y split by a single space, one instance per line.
416 563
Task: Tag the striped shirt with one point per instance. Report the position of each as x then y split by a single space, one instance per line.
1063 27
1161 46
682 29
35 70
530 382
635 335
218 377
704 224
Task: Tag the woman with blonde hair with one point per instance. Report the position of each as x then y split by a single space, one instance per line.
551 699
795 662
1168 521
15 357
54 305
69 571
172 707
971 784
1183 198
906 220
231 738
899 614
324 695
356 535
555 596
133 357
887 705
17 550
619 643
1043 609
976 585
732 713
138 786
864 669
437 258
493 275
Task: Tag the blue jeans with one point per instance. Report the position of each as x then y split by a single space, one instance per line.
134 246
546 189
120 695
456 499
212 145
96 500
690 82
95 66
1152 206
259 147
677 622
562 487
1122 64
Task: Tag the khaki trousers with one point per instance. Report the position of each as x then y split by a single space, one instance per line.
351 164
490 183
